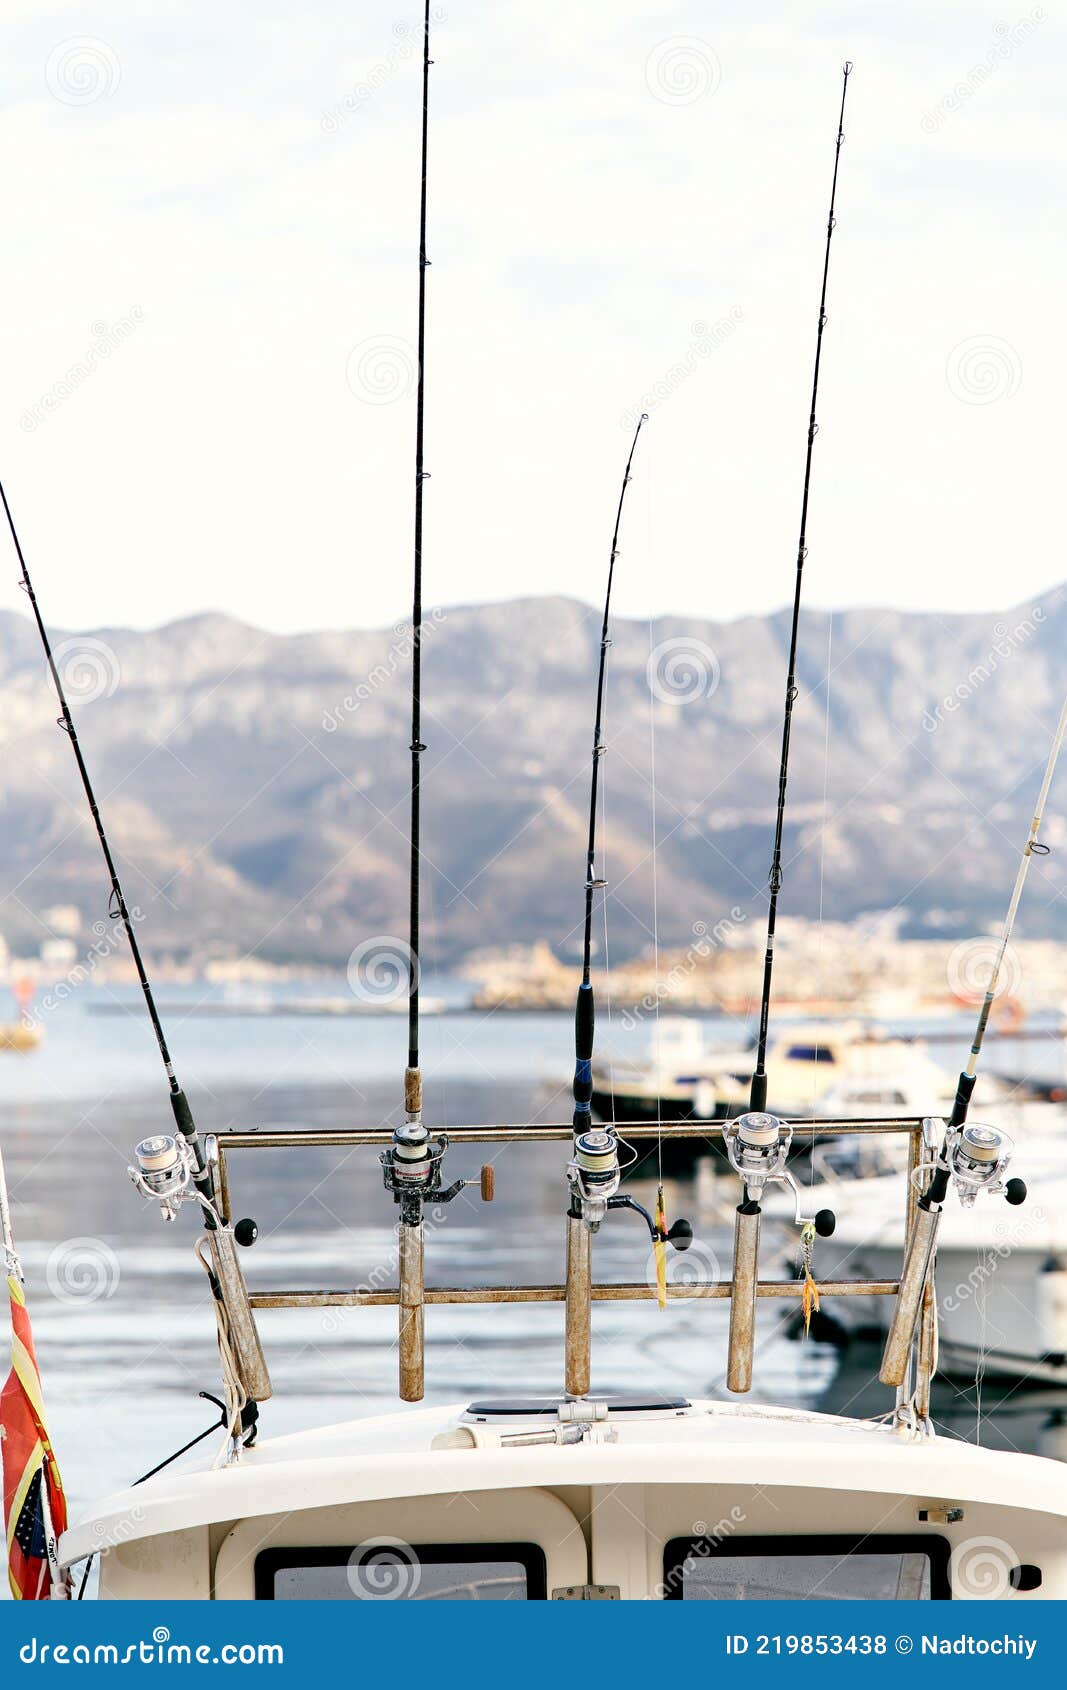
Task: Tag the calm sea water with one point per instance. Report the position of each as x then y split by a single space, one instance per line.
120 1306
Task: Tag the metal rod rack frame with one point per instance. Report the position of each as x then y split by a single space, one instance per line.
579 1291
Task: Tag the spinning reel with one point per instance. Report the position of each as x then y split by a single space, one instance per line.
164 1173
594 1175
411 1170
758 1145
978 1157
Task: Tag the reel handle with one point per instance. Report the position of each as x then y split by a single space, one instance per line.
487 1182
1015 1192
680 1235
825 1223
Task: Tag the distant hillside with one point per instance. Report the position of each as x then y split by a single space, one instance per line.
258 811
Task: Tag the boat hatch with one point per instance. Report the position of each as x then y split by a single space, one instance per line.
505 1407
807 1569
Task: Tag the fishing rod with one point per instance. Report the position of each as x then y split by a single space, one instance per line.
757 1144
584 1009
118 907
758 1094
594 1172
973 1158
413 1074
412 1164
165 1166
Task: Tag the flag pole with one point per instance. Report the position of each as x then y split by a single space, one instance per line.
59 1581
12 1264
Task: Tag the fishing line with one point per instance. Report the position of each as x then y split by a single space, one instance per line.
413 1075
758 1097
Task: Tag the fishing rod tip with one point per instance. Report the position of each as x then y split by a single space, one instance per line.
848 67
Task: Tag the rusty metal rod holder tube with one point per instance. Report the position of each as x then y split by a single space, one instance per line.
917 1265
411 1299
926 1361
577 1320
237 1309
539 1132
743 1300
780 1289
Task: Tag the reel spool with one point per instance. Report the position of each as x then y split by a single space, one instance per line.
163 1172
978 1159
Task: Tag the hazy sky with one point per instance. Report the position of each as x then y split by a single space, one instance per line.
210 216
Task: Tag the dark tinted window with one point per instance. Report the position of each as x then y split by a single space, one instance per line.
827 1569
810 1053
386 1569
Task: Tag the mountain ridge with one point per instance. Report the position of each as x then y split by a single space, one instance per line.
256 783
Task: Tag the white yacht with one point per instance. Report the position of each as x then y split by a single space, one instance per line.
830 1068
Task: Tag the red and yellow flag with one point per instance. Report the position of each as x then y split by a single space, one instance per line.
35 1507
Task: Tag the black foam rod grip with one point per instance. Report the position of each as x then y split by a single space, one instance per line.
183 1115
584 1021
758 1096
964 1089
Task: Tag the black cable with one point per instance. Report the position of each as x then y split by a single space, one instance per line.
758 1096
178 1453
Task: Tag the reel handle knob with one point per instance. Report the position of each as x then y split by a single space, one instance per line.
825 1223
246 1232
680 1235
1015 1192
488 1182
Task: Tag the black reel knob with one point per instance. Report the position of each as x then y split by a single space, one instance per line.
246 1232
1015 1192
825 1223
680 1235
